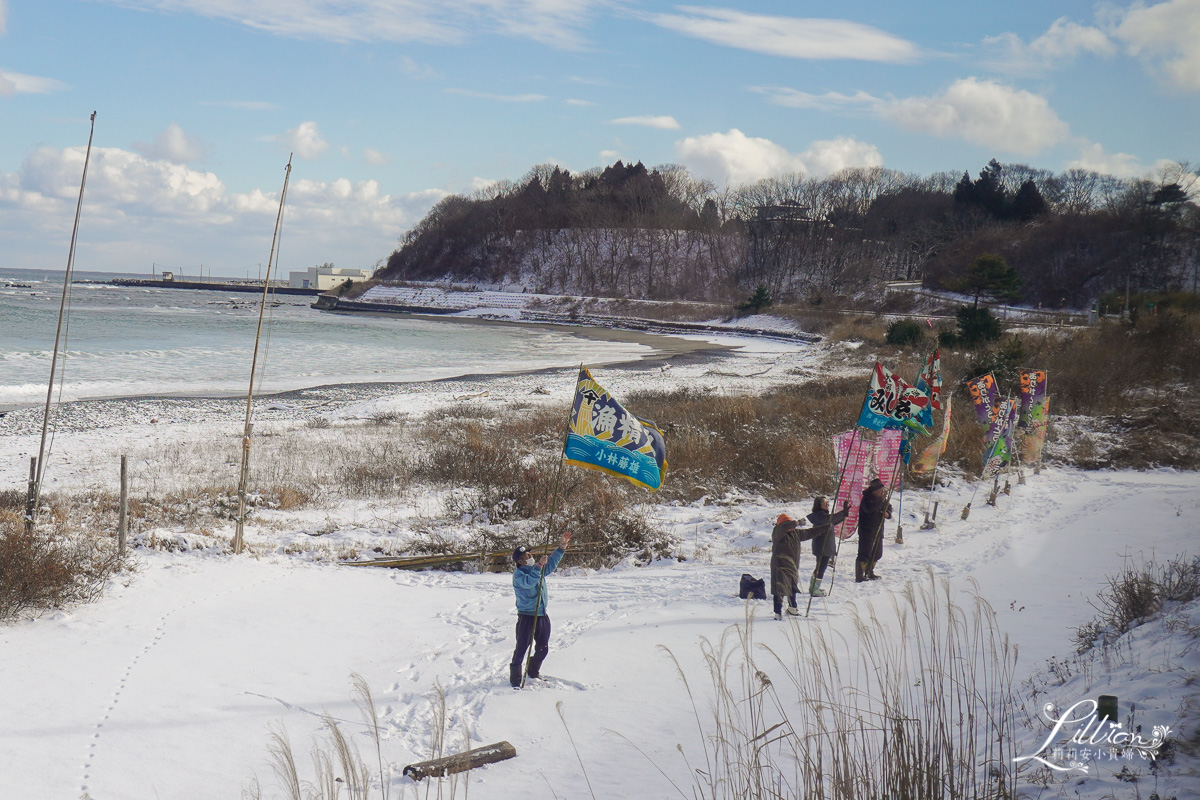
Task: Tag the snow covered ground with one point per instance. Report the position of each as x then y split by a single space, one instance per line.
169 686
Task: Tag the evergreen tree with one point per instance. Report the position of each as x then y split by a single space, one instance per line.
990 276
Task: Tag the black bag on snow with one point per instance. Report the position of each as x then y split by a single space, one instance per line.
752 587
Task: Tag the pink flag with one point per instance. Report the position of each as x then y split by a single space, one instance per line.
854 454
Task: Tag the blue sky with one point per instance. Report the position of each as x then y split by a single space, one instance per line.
390 105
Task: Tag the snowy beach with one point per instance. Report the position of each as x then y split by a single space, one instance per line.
172 682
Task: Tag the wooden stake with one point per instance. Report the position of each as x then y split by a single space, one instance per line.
31 496
460 762
122 519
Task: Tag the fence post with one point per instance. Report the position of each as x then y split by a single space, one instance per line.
31 496
122 519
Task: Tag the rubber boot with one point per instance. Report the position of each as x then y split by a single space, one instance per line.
870 571
814 587
514 675
860 569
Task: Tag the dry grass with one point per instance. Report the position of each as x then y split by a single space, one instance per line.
916 704
56 565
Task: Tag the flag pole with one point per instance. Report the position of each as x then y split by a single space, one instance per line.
837 490
549 537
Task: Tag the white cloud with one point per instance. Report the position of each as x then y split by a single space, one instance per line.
828 156
662 123
18 83
1064 40
138 209
610 155
830 101
1093 157
736 158
1166 36
790 37
172 145
376 158
503 98
571 101
552 22
305 141
984 113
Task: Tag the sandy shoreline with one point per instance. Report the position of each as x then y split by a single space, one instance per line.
90 413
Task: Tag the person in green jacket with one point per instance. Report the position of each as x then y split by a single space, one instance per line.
529 584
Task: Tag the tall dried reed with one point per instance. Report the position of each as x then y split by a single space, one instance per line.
916 704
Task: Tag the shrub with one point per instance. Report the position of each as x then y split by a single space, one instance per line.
760 299
905 333
51 567
1135 595
976 326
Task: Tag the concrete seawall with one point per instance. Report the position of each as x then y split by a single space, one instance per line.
211 286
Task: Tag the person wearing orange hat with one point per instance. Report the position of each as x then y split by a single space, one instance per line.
786 537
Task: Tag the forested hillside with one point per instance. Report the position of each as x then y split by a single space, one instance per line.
629 231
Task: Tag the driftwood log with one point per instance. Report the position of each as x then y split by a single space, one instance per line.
460 762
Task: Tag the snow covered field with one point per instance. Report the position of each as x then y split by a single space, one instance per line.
169 686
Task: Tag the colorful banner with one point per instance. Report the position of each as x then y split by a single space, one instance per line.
892 403
930 380
1002 412
887 456
930 455
1035 433
854 454
606 437
998 452
1033 389
983 396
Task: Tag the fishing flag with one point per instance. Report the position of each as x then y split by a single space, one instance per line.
892 403
930 380
887 456
983 395
854 453
930 455
604 436
1035 434
1033 389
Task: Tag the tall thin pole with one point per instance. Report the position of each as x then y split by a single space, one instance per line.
549 537
62 307
238 539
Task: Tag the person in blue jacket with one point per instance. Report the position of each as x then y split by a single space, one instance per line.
529 584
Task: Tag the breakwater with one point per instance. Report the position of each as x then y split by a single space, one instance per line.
216 286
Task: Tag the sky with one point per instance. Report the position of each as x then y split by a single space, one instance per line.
386 106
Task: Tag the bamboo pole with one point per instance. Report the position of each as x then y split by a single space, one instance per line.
832 528
528 659
247 429
62 307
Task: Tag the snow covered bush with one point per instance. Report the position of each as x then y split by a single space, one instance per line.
50 567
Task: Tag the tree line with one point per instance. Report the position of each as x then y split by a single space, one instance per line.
662 233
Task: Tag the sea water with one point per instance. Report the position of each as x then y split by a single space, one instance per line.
122 341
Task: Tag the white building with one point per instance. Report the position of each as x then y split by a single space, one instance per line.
325 277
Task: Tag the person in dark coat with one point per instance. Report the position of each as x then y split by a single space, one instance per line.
871 513
785 562
824 543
